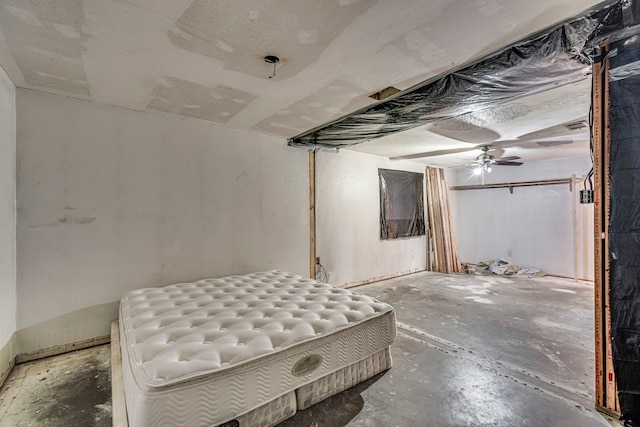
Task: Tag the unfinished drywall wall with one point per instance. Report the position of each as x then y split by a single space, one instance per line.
348 221
112 200
534 226
7 223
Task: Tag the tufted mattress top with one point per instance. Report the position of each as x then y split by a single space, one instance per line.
181 332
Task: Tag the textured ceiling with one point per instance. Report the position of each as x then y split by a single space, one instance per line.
204 59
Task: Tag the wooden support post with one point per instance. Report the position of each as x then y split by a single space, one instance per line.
606 391
312 214
598 236
612 403
574 189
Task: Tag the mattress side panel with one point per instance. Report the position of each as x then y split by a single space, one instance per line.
345 378
215 400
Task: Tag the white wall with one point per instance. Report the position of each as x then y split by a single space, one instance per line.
112 200
7 222
533 227
348 220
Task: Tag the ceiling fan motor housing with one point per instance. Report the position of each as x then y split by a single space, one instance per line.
485 157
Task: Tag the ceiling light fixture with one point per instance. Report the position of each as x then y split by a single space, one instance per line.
272 59
480 168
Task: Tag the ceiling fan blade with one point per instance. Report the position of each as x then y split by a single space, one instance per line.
498 163
554 143
530 144
463 130
507 158
568 129
434 153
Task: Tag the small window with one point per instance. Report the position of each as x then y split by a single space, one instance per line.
401 204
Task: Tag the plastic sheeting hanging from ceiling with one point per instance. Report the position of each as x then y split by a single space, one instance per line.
552 58
624 228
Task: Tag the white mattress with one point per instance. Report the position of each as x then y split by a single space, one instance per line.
207 352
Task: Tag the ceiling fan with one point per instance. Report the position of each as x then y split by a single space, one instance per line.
459 130
485 160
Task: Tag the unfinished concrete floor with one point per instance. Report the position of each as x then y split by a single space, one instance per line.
72 389
471 351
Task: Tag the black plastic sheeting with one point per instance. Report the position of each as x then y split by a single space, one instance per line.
620 21
401 204
624 229
554 57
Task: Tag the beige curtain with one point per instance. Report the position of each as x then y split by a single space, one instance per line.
442 253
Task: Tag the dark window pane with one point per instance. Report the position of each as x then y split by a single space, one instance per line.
401 204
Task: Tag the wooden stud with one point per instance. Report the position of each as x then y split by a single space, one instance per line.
433 218
457 266
574 190
438 223
428 225
119 411
434 258
612 389
598 233
606 391
312 214
446 223
442 243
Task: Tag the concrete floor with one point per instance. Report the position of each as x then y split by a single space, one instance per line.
471 351
70 390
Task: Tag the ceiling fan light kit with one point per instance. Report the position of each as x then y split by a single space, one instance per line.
485 160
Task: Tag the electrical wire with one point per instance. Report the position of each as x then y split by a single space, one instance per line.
321 273
589 175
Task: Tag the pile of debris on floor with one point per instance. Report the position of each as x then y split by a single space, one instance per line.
503 268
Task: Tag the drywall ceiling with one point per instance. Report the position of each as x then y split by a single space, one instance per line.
203 59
